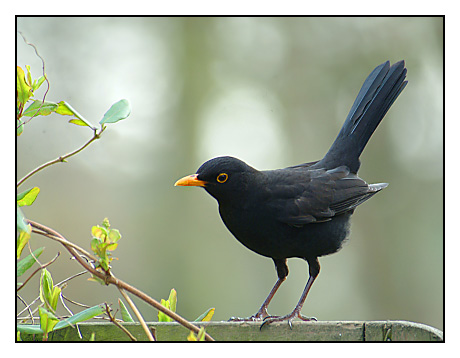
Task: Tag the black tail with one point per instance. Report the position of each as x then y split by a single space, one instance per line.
379 91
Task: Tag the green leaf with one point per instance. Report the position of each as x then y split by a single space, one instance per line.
47 321
20 221
79 122
161 316
29 76
40 108
26 263
77 318
24 91
111 247
38 83
119 110
81 316
29 328
24 232
49 294
200 337
206 316
114 235
19 127
22 241
27 197
66 109
172 300
99 232
125 316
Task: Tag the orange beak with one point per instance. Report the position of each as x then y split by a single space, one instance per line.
190 180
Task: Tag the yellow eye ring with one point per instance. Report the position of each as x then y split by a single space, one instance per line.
222 178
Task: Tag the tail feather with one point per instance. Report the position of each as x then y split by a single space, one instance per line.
378 93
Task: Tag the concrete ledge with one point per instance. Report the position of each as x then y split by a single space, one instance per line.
356 331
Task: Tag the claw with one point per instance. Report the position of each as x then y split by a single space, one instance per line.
259 316
289 318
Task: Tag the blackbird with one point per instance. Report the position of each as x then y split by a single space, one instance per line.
302 211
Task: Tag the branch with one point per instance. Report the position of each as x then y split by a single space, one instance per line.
114 321
138 314
62 158
109 278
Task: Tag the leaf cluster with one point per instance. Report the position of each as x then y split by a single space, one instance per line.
171 304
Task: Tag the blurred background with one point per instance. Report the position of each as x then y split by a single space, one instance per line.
271 91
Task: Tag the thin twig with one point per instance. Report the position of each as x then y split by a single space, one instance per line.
71 314
74 302
70 278
114 321
64 157
28 306
109 278
138 314
42 266
31 316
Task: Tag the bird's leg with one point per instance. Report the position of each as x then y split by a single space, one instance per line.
314 271
262 313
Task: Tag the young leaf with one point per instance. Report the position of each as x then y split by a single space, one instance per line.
24 232
81 316
29 76
78 122
191 337
119 110
172 300
47 321
206 316
161 316
49 294
46 286
24 91
125 316
27 197
99 232
19 127
40 108
26 263
114 235
29 328
21 224
22 241
200 337
38 83
66 109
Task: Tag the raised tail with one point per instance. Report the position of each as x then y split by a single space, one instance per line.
379 91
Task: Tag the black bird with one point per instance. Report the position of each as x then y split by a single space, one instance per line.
302 211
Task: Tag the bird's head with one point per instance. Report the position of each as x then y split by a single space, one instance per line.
222 177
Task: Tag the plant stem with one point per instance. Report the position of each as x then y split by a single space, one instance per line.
62 158
138 314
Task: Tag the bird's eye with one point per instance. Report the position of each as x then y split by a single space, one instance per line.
222 178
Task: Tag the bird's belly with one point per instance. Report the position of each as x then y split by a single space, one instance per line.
272 238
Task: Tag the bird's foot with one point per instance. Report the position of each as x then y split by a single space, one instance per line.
259 316
289 318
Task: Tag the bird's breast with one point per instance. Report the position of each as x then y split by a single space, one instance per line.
260 231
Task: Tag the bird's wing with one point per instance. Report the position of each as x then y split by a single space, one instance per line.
321 196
